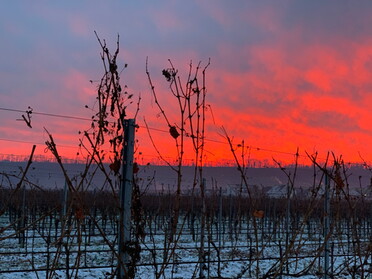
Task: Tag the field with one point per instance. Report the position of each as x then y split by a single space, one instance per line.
222 234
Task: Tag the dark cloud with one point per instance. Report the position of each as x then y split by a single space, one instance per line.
329 20
329 120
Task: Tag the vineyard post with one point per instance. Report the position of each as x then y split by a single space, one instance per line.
202 230
126 198
65 197
23 218
288 222
326 225
64 216
220 230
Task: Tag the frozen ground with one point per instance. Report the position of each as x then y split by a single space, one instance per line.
233 249
240 255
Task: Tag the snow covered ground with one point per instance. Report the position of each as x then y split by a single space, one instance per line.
230 253
233 248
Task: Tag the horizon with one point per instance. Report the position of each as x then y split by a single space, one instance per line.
15 158
49 175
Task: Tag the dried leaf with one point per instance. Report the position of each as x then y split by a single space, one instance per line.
258 214
173 131
115 166
135 168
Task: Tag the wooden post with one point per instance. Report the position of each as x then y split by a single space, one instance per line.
22 231
288 223
326 225
202 231
220 218
126 198
65 197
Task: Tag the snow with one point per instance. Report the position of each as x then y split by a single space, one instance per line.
238 251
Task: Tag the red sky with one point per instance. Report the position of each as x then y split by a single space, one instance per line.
283 74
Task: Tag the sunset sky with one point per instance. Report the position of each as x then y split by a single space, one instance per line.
284 74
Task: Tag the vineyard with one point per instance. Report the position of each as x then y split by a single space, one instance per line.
219 235
106 218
